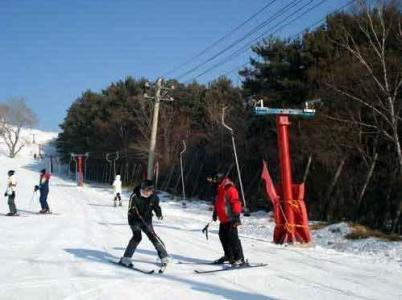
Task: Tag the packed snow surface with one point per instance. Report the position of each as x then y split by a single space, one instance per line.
66 255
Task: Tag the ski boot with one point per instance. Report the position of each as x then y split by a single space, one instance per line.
126 262
220 261
164 262
238 263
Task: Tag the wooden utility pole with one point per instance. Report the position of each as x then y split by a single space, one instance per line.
160 95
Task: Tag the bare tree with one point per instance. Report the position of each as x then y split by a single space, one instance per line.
377 29
14 116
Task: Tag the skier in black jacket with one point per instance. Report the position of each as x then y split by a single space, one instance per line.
143 201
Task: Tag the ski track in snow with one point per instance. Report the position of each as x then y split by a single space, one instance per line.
66 255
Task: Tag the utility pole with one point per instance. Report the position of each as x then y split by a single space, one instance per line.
155 117
160 95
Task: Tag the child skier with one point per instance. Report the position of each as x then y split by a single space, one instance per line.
143 201
10 193
43 187
117 190
227 209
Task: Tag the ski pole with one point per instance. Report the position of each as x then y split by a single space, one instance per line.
205 229
32 200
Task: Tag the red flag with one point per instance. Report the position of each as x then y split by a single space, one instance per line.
269 186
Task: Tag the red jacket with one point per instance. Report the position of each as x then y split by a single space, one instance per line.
227 202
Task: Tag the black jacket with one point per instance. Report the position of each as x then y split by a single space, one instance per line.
140 207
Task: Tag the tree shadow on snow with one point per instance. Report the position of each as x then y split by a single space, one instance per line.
36 166
93 255
226 293
216 290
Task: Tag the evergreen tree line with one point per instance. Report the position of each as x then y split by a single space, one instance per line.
349 155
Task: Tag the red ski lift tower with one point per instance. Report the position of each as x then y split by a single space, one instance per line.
290 213
80 165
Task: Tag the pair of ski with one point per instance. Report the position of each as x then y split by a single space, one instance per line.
160 271
224 267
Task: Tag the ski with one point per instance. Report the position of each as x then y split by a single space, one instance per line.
134 268
247 266
47 213
200 263
162 269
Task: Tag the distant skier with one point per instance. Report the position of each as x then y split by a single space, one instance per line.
10 193
117 190
227 209
143 201
43 187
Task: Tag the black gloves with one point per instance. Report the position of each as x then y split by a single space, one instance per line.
160 217
5 194
236 221
36 188
214 216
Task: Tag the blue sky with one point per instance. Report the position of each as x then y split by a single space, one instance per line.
53 50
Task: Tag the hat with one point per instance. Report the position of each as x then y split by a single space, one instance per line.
11 173
147 185
43 171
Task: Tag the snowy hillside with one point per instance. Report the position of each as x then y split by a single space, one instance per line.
67 255
34 141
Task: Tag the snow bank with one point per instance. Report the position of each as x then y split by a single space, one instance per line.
261 226
333 237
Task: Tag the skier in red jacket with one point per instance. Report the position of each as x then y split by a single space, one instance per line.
227 209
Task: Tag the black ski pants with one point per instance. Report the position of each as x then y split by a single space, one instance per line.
230 242
43 200
11 203
137 236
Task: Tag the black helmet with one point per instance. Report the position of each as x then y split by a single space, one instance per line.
147 185
11 173
43 171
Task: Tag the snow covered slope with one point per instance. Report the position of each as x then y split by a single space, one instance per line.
66 255
28 136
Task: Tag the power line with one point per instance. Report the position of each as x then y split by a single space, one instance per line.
221 38
297 34
244 37
246 47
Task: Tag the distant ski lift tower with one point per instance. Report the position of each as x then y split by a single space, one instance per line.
80 163
291 221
